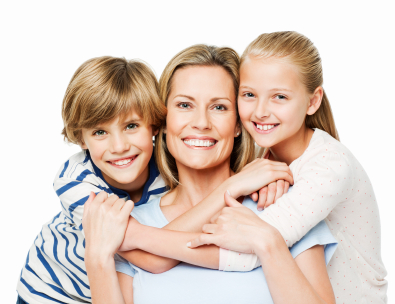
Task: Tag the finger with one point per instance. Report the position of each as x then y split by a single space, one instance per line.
203 239
118 204
279 190
209 228
230 201
262 198
213 220
92 195
127 207
254 196
100 198
286 187
271 194
110 201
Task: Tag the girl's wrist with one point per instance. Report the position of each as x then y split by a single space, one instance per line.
268 244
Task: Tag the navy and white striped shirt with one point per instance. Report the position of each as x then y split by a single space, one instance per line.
55 271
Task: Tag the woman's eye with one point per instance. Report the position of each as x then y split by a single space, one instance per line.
183 105
131 126
100 133
219 108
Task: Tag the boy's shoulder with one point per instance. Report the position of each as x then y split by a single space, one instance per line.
78 167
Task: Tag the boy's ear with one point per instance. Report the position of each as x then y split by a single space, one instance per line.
155 131
315 101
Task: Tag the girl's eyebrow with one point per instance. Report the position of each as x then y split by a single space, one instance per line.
281 89
193 99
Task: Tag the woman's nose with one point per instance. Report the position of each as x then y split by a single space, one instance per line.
201 120
119 143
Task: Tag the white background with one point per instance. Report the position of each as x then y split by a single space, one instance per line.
43 43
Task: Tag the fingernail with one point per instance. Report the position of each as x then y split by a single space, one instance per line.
260 209
189 244
228 192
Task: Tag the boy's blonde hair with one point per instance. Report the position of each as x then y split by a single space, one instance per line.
106 87
201 55
300 51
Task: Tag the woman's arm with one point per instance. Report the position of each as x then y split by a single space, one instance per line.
126 284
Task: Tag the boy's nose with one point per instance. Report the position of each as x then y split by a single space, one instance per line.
119 144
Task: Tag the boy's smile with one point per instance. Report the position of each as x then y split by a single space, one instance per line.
121 149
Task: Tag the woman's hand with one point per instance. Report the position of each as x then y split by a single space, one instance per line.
237 228
258 174
104 222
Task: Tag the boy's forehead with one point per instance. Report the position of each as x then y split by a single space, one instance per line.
122 119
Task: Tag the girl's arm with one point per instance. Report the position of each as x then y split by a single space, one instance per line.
253 177
126 284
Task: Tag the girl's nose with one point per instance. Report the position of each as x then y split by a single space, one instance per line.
262 110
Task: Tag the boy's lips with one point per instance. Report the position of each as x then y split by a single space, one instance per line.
122 162
265 128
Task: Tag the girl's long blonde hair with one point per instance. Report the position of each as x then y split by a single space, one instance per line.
300 51
201 55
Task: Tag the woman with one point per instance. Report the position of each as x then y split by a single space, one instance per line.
200 93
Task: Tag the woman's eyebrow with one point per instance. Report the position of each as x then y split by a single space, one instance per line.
219 98
186 96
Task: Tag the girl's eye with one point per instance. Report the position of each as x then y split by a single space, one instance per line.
219 108
280 96
100 133
131 126
249 95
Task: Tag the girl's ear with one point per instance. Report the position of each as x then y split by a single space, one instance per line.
315 101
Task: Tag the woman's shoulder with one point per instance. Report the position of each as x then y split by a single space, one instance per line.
150 214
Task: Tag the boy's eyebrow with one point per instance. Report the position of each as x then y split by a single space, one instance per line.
193 99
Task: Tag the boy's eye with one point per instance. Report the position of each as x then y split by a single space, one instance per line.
131 126
100 133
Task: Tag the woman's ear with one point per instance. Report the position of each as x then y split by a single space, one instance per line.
237 130
315 101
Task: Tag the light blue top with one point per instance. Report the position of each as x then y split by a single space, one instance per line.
191 284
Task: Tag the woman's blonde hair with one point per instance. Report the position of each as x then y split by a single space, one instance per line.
106 87
300 51
201 55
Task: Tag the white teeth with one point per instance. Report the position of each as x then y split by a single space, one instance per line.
199 143
122 162
264 127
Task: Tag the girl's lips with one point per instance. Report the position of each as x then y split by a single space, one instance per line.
123 162
264 131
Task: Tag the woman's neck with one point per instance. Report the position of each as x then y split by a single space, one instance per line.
195 185
292 148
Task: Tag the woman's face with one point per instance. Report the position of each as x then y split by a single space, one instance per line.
201 119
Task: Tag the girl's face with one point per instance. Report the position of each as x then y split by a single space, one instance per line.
201 118
273 101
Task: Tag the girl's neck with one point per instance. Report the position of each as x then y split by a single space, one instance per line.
292 148
195 185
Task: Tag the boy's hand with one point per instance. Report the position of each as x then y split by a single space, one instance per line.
104 222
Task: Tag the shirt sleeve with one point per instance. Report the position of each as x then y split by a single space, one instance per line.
323 182
73 193
122 265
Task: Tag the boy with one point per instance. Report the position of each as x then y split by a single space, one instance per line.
111 109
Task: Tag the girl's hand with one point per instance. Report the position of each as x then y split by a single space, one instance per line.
268 195
104 222
258 174
237 228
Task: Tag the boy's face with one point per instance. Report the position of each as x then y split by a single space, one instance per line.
121 149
